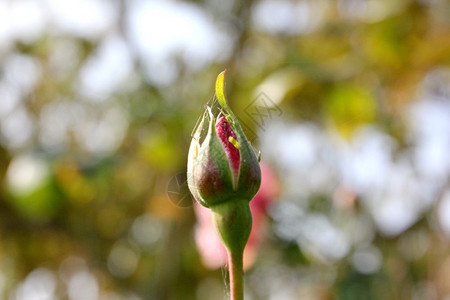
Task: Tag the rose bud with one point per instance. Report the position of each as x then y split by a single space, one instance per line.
224 166
224 175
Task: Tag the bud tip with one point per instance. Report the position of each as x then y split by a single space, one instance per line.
220 89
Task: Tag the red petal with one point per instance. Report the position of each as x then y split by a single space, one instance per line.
224 131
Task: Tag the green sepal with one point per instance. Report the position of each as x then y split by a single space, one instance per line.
249 179
212 177
194 148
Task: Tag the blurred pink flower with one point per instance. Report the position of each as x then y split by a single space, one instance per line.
211 250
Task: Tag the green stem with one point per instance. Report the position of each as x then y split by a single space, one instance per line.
236 270
233 222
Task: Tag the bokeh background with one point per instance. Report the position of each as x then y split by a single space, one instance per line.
348 101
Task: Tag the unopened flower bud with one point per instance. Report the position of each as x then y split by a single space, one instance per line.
224 172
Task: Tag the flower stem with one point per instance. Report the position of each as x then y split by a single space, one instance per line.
236 270
233 222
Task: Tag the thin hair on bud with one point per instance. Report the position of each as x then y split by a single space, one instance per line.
216 109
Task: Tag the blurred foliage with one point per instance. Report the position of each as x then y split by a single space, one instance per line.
84 201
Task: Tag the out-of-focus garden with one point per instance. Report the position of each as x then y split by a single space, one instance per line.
347 100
